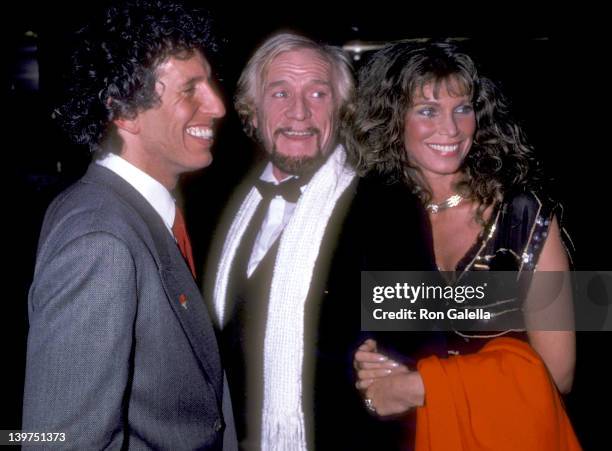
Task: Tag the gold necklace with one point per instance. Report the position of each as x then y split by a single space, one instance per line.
451 202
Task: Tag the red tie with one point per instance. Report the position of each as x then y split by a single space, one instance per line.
182 239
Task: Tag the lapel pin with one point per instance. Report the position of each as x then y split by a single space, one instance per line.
183 301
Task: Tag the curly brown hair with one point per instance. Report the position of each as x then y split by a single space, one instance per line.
500 158
115 60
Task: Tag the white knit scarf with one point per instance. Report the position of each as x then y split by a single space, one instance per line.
283 417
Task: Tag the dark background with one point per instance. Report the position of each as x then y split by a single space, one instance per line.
546 74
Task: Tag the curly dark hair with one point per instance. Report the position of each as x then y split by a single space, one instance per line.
499 159
113 73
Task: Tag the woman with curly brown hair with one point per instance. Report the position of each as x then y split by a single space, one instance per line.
425 118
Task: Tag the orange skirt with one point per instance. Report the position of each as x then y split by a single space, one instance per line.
501 398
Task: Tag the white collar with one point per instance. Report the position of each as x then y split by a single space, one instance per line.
268 176
154 192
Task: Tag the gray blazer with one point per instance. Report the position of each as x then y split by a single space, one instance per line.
121 349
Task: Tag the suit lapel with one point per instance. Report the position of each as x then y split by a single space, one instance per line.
188 306
181 290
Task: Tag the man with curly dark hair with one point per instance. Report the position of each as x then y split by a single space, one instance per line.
121 349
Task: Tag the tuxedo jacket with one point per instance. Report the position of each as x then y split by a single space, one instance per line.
121 350
378 226
374 226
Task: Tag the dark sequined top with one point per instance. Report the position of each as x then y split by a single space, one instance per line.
512 240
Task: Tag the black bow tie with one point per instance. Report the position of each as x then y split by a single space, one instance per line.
289 189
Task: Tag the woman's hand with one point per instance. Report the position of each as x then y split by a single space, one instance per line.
388 387
371 365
